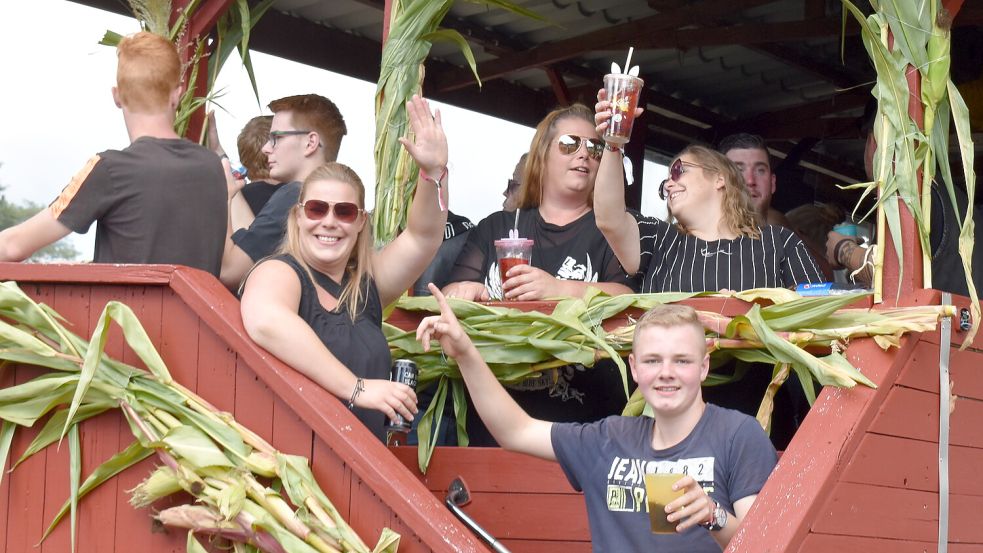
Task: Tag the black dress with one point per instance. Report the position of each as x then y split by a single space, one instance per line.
361 346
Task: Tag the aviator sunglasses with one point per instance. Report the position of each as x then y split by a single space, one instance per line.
676 170
570 144
315 210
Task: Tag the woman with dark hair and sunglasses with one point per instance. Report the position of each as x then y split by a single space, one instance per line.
569 254
317 304
715 243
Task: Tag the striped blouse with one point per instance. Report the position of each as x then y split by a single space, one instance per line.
675 262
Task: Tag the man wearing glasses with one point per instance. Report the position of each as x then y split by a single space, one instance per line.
306 133
154 201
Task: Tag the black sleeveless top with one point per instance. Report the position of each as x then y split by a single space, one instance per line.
361 346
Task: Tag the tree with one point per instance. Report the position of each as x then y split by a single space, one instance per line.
12 214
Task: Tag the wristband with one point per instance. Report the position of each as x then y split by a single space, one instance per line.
838 249
359 388
611 148
436 181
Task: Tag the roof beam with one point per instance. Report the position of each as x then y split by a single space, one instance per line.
607 38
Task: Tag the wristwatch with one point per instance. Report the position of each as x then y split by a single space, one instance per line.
718 518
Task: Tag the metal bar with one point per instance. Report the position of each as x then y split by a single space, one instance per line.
475 527
945 343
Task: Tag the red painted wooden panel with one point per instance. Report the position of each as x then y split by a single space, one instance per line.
922 371
825 543
487 469
97 273
333 474
530 515
915 414
880 512
216 370
25 518
6 379
540 546
179 341
913 464
781 516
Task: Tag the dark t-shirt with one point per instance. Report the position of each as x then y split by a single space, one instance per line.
257 193
438 272
264 236
157 201
361 346
675 262
727 453
577 251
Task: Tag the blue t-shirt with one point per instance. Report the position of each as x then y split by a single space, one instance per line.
727 453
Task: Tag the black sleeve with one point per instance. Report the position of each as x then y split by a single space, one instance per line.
472 261
798 267
263 237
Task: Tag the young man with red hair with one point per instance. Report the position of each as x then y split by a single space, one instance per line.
154 201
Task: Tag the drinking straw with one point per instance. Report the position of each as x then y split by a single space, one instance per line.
631 50
515 226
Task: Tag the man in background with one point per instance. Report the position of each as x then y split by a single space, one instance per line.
154 201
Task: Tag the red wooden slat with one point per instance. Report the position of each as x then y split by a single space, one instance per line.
216 370
913 464
253 402
824 543
95 273
487 469
334 476
25 516
897 514
530 515
922 371
179 341
540 546
914 414
829 435
7 374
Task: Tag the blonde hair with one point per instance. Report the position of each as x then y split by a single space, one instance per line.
669 315
250 143
147 71
531 190
359 268
736 208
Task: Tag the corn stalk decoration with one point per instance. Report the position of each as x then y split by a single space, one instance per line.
413 28
233 29
905 152
785 335
202 451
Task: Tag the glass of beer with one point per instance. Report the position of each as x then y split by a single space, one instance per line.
659 493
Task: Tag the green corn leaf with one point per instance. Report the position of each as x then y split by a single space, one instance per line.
51 431
27 411
805 312
192 545
6 436
460 412
74 474
429 425
195 447
231 499
388 542
451 35
111 38
133 454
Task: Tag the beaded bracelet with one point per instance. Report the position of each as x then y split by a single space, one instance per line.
359 388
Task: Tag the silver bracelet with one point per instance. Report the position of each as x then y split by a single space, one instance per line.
359 388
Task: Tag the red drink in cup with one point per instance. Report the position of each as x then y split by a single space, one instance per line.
512 252
622 91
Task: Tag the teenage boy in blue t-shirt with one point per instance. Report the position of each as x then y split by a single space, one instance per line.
723 455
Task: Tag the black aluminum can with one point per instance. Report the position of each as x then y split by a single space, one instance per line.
405 372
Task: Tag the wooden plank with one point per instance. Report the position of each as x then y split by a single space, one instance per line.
791 499
25 514
913 464
910 413
487 469
333 475
179 341
922 371
290 433
95 273
893 513
554 517
253 402
824 543
216 370
7 374
541 546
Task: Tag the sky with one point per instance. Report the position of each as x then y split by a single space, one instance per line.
57 111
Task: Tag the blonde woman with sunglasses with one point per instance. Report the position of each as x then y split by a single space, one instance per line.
317 304
555 210
714 243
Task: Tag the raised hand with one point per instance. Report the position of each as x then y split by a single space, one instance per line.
429 146
445 328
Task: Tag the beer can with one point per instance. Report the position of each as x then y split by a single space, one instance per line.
404 371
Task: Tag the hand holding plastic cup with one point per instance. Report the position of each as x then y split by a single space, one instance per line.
622 91
659 493
512 252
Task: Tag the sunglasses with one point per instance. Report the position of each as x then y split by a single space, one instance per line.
676 170
276 135
570 144
345 212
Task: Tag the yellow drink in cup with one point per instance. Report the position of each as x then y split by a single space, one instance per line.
658 490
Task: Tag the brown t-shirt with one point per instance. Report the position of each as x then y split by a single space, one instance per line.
157 201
